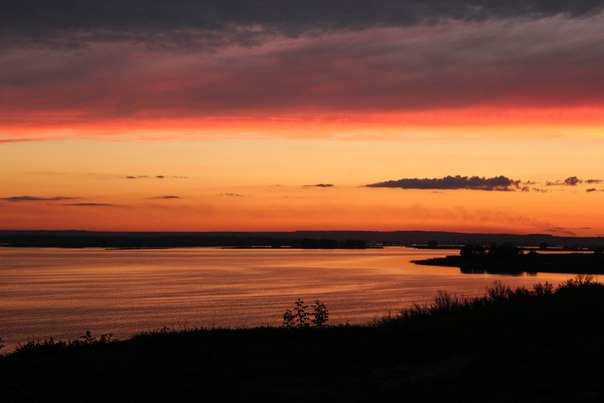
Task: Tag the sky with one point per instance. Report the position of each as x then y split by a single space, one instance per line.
279 115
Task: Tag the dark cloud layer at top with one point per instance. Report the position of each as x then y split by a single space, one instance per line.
216 22
547 63
499 183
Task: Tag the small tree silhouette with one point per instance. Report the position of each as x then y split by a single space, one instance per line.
288 319
320 314
301 314
299 317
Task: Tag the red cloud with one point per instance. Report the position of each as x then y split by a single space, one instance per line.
367 73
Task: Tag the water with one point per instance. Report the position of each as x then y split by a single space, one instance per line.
64 292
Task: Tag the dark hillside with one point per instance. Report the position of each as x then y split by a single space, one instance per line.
537 345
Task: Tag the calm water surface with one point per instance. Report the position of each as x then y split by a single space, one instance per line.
62 292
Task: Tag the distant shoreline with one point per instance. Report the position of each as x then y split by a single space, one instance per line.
292 239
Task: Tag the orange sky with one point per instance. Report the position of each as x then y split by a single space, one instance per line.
264 185
238 127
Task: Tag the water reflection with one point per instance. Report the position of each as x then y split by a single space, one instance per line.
61 292
475 270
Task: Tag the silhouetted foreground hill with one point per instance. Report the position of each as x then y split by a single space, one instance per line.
313 239
509 346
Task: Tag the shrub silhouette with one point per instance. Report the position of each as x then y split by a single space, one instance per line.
543 289
498 291
320 314
299 317
580 280
496 294
446 302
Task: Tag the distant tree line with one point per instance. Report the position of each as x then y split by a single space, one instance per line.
504 250
509 250
308 243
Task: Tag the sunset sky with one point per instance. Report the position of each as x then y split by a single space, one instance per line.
282 115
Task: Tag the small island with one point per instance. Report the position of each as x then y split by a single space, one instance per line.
509 259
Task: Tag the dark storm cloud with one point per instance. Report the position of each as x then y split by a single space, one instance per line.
498 183
591 190
593 181
546 63
166 197
73 23
34 198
